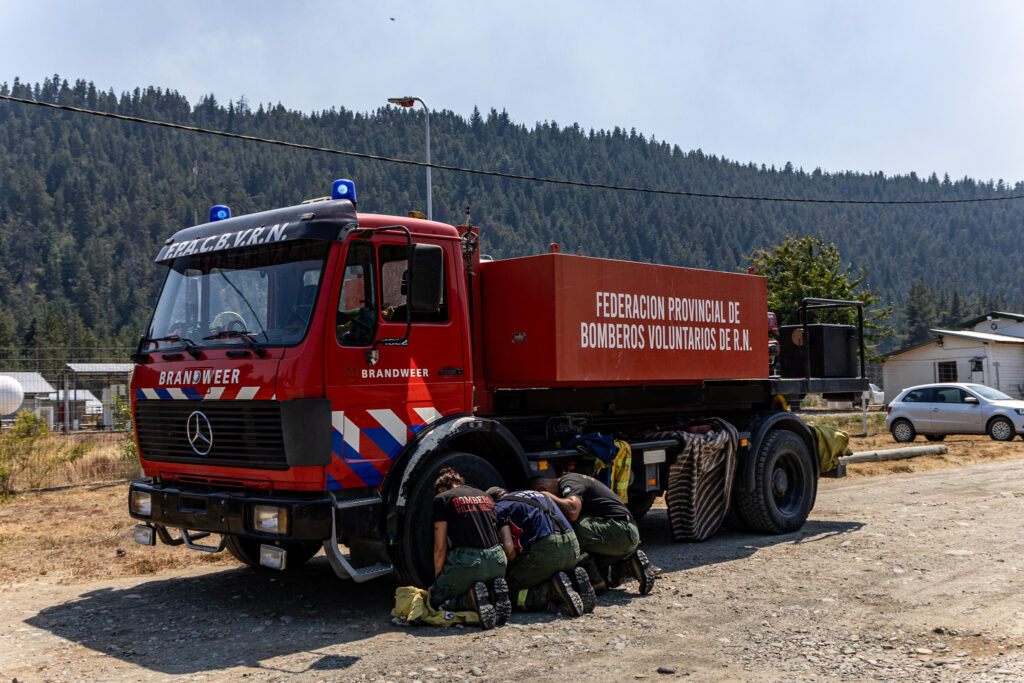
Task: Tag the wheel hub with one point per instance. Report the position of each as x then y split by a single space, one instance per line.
780 482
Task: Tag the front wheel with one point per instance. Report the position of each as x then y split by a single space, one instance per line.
784 485
1001 429
414 554
247 551
903 431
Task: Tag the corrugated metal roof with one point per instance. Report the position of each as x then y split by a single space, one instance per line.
980 336
101 368
31 382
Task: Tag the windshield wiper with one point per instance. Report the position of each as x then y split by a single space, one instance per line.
140 356
244 335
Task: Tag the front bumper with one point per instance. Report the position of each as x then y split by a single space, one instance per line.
230 513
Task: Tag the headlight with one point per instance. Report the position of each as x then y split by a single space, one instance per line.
270 519
141 503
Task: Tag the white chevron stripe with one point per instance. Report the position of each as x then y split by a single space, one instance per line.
150 393
392 423
338 420
176 394
428 414
213 393
246 393
351 433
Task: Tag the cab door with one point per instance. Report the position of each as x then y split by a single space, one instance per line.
377 407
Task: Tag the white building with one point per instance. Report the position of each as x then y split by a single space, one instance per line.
988 350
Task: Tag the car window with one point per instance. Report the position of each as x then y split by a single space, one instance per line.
948 395
990 393
919 395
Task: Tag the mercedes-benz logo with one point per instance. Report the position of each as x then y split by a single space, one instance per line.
199 432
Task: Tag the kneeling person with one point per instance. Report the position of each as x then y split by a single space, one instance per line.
604 528
542 553
473 560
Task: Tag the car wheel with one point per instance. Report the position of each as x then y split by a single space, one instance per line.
935 437
1001 429
903 431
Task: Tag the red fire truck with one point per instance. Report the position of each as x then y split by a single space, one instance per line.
309 370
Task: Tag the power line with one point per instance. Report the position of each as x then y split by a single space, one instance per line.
494 174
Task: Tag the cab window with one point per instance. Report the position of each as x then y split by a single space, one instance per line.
394 286
356 322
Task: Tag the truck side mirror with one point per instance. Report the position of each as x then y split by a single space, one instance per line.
426 278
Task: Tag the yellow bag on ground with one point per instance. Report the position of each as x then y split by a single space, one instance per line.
832 443
414 604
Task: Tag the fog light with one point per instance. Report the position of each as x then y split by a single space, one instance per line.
143 534
141 503
272 557
269 519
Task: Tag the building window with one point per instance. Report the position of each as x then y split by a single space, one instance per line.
946 371
976 365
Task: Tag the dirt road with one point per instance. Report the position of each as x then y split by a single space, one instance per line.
904 577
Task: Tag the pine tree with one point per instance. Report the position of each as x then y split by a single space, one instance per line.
920 314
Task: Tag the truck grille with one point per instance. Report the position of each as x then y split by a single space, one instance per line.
244 433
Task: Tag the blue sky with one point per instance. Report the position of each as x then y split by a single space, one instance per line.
867 86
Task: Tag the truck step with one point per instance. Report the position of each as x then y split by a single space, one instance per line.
342 565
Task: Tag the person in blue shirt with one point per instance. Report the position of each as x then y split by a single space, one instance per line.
542 553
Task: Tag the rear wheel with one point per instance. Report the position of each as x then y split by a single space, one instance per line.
784 485
1001 429
414 554
935 437
247 551
903 431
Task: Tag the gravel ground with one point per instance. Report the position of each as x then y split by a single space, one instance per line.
907 577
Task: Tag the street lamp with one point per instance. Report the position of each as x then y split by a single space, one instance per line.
408 102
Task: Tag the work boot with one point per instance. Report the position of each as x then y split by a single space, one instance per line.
597 581
566 594
499 598
640 568
480 602
581 582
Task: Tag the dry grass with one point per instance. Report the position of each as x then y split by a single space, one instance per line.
103 461
79 535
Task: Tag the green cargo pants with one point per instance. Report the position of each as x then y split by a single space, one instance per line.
462 568
529 572
606 540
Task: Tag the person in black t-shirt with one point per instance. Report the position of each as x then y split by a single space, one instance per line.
604 528
467 552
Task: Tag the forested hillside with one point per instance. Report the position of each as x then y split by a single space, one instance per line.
86 202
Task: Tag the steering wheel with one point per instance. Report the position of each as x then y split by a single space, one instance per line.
354 319
230 321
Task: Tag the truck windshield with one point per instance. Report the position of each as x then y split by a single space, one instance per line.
264 295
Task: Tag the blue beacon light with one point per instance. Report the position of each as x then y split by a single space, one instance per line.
219 213
344 189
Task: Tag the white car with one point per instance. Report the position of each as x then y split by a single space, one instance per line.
935 410
874 395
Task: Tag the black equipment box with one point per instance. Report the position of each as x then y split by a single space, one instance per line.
832 350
